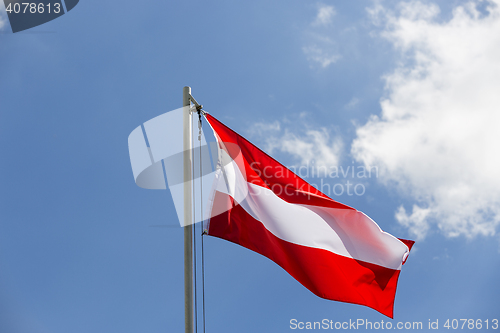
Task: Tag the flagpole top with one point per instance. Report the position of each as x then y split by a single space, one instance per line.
188 98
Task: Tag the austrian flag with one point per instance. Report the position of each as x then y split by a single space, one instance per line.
334 250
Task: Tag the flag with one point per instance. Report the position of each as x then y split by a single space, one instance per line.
334 250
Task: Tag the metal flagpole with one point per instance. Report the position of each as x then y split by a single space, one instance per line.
188 219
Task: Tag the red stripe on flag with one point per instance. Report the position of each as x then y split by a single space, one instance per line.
261 169
326 274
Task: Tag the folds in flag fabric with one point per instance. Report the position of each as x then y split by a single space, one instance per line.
334 250
252 200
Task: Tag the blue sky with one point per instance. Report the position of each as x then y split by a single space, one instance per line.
408 87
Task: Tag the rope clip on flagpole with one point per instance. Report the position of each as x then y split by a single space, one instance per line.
196 104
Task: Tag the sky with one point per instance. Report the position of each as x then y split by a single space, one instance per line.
407 89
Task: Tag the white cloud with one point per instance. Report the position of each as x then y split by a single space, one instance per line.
319 48
311 147
321 55
324 16
437 138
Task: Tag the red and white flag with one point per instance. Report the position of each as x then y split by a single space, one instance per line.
334 250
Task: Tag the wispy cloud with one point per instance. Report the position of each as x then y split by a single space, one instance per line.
352 103
324 16
437 137
307 146
320 54
320 49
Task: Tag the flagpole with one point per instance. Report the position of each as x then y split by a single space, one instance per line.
188 220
